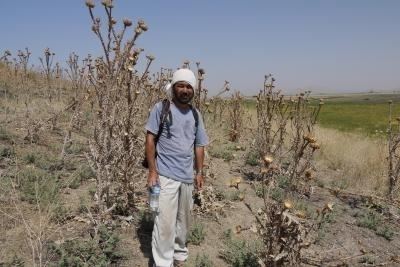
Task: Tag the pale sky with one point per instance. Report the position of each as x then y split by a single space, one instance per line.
326 46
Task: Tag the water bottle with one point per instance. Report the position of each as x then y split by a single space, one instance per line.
154 196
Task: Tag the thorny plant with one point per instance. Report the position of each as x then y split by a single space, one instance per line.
200 92
236 113
216 106
283 233
78 74
48 70
121 104
394 153
285 130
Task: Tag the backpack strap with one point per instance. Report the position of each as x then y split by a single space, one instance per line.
196 118
164 115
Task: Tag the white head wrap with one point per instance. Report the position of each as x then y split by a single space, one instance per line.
184 75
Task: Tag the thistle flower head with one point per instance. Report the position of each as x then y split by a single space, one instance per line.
201 71
309 138
142 25
268 160
89 3
150 57
138 30
107 3
287 205
315 146
127 22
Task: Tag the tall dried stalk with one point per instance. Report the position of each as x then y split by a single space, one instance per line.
236 113
116 143
285 130
47 67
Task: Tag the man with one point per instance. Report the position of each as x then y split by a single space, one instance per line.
179 144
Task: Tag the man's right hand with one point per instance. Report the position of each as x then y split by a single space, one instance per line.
152 178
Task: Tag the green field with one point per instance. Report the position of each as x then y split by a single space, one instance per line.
365 113
362 113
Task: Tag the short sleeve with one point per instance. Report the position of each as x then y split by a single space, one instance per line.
201 135
153 122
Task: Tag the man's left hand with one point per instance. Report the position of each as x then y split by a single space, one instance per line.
199 181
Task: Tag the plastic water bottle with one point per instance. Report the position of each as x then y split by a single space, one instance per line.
154 196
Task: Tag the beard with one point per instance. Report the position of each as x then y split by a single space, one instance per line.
183 97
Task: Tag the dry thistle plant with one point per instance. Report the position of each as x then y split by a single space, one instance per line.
236 113
120 109
78 74
394 154
200 92
283 232
285 131
48 70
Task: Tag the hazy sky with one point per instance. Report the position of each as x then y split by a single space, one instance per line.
325 46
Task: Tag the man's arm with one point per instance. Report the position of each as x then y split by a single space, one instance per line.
150 151
199 161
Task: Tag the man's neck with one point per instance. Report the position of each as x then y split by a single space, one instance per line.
180 105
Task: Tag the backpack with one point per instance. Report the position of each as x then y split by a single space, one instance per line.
165 112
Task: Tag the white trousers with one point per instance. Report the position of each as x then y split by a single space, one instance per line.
172 223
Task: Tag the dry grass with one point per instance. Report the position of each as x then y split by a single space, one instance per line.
361 161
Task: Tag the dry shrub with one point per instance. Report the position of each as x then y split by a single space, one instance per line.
236 114
121 101
285 131
360 159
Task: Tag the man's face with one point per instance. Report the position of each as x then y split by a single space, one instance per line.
183 92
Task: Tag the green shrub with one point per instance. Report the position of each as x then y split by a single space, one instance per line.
259 189
30 158
5 135
385 232
196 234
367 260
233 195
202 260
83 173
60 214
100 251
341 184
43 161
6 152
283 181
38 186
252 158
224 151
277 194
238 253
369 220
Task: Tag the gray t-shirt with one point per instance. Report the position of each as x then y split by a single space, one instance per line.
175 145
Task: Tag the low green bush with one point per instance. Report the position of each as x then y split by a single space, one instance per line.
197 234
100 251
203 260
252 158
38 186
6 152
238 253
